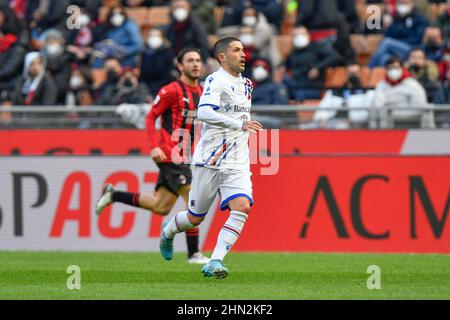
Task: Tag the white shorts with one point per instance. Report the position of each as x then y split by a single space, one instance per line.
206 183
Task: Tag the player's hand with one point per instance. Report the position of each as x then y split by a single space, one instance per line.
158 155
252 126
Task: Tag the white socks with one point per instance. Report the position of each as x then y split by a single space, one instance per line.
229 234
179 223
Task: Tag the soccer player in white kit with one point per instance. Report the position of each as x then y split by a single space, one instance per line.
221 163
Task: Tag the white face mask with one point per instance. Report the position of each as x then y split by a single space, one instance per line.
54 49
117 19
84 20
154 42
247 39
75 82
301 41
260 74
394 74
180 14
403 9
249 21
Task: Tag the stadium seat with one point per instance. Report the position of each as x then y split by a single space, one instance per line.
98 77
335 77
140 15
376 76
373 42
159 15
110 3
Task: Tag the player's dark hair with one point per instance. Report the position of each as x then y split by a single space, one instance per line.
222 45
184 51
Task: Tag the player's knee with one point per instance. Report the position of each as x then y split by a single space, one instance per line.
196 220
163 210
242 207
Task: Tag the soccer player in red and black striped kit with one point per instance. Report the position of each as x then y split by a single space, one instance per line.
175 104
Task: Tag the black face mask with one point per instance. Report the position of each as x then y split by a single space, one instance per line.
128 83
415 67
432 44
112 75
354 81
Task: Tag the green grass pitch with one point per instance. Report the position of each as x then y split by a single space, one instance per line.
42 275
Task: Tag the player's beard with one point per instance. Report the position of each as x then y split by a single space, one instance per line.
191 76
239 68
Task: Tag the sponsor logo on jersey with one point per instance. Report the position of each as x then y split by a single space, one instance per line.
155 102
228 107
189 113
241 109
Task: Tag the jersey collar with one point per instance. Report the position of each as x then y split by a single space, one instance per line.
229 75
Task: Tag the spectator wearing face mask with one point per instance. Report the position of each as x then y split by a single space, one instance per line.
306 65
352 95
81 39
400 91
405 32
184 30
80 93
58 60
156 62
127 90
36 86
271 9
113 70
433 44
119 37
427 73
265 90
89 7
267 93
264 34
248 40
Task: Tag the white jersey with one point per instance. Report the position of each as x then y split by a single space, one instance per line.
223 106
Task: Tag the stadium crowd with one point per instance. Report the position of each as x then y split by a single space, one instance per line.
329 53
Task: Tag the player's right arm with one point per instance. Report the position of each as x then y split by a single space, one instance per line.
161 103
210 102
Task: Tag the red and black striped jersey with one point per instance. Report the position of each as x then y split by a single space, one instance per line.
176 103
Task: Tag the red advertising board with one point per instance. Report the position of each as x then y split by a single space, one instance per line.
348 204
123 142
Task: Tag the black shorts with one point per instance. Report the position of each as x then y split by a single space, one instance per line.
173 176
